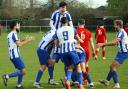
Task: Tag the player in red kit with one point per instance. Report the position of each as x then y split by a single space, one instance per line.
100 36
86 36
126 28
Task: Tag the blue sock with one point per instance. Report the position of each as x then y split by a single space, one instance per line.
39 75
115 77
20 78
110 74
14 74
68 74
74 76
80 78
65 70
87 77
50 71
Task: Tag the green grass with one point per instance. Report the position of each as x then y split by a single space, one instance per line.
98 68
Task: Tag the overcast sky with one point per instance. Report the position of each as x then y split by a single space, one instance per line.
94 3
91 3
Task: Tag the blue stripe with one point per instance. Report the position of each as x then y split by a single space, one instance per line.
58 21
48 45
41 44
18 51
126 47
68 47
13 55
120 43
13 37
64 48
68 17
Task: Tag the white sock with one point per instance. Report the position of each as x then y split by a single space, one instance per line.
19 85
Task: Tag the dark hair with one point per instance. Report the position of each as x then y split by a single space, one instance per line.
81 21
61 4
12 24
100 24
63 20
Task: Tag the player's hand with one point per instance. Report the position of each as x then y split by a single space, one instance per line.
81 41
100 45
29 38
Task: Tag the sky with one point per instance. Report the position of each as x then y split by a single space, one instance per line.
94 3
91 3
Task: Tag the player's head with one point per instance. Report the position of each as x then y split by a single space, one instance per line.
118 24
81 22
63 6
15 25
64 20
100 24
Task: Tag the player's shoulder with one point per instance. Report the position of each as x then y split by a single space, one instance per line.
56 11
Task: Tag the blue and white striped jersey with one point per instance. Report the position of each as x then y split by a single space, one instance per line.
123 44
56 17
56 24
12 46
65 36
47 41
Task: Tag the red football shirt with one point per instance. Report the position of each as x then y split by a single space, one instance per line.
126 29
100 35
85 35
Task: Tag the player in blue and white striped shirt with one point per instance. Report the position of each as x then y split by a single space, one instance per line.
122 41
65 40
55 24
43 51
13 45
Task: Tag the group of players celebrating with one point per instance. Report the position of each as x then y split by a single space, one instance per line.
70 45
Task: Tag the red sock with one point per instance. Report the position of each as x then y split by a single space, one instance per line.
103 53
96 52
87 69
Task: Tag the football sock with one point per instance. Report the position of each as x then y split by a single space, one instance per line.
103 53
39 75
50 71
110 75
80 78
15 74
115 77
87 68
96 52
20 78
87 77
68 74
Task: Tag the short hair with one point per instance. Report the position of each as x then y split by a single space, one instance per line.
64 20
61 4
12 24
81 21
100 24
119 23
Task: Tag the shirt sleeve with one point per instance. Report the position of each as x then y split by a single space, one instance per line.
120 35
55 37
15 37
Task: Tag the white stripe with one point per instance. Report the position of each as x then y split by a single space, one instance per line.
16 53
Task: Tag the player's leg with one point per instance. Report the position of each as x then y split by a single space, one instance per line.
76 63
19 64
87 59
43 59
97 50
103 53
55 59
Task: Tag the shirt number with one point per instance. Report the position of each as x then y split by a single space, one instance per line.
82 35
65 35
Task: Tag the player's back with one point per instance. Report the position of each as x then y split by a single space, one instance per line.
47 41
85 35
12 46
66 38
